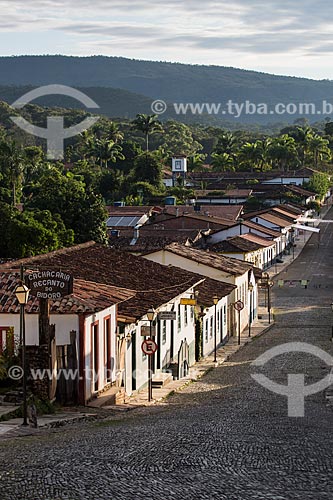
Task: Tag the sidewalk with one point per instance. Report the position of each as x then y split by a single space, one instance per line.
203 366
13 427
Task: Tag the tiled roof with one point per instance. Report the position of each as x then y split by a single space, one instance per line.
244 243
262 229
189 221
258 240
153 283
131 210
87 297
222 194
280 212
226 212
228 265
293 209
211 287
152 239
277 221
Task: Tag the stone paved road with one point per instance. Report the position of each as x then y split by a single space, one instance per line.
224 437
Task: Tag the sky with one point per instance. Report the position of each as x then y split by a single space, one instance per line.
287 37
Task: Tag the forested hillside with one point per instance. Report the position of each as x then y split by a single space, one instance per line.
145 81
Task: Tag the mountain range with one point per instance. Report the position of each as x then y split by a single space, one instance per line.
124 87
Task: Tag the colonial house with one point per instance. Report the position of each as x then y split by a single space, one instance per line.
85 325
248 247
144 285
217 267
277 222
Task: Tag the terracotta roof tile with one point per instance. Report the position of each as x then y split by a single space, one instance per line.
87 297
228 265
209 288
153 284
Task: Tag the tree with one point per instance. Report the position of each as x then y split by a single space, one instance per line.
147 124
148 168
103 151
12 165
329 128
252 155
318 146
282 152
178 139
66 195
302 137
227 143
223 162
319 183
31 232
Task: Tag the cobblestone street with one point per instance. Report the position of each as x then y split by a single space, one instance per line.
223 437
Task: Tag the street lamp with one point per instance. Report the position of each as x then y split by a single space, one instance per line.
150 316
292 231
215 301
269 286
22 295
250 316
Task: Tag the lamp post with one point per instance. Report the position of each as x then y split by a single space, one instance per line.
332 325
215 301
150 316
22 295
269 286
250 315
292 231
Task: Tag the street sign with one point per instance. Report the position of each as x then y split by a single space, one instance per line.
149 347
239 305
188 302
167 315
49 284
146 331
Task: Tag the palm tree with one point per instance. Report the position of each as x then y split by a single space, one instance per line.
302 136
148 124
282 152
106 150
113 132
223 162
318 146
252 154
226 144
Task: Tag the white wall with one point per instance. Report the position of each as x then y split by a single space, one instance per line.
185 331
64 324
164 257
31 326
89 364
298 181
208 326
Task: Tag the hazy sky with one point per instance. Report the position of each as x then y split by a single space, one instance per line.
293 37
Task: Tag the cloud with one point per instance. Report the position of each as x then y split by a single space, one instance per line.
239 29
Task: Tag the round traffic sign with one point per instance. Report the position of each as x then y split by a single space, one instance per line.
149 347
239 305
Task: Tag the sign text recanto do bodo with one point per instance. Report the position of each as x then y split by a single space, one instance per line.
50 284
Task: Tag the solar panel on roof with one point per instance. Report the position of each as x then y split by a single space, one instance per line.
125 221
